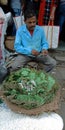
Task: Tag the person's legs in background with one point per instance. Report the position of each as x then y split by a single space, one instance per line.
61 21
61 17
17 21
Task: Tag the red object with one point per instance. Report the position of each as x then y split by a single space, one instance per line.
42 10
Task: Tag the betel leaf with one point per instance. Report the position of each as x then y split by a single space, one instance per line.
32 75
51 83
32 88
38 80
13 92
40 91
42 75
25 73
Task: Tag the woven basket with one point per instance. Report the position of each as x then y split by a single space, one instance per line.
9 43
52 106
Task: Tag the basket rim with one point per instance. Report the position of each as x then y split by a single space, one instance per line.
52 106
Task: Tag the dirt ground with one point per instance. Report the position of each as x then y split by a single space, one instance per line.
59 74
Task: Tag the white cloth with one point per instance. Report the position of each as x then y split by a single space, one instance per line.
13 121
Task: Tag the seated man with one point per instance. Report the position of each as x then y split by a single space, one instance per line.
31 45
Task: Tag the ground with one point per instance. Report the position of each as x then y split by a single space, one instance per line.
59 73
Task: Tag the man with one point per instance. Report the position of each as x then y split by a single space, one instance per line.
31 44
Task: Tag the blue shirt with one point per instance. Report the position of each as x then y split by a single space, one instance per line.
25 42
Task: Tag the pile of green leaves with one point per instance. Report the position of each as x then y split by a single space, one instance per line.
29 88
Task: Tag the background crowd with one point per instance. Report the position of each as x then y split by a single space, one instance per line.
46 10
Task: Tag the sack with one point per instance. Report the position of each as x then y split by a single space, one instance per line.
17 21
3 2
9 43
52 35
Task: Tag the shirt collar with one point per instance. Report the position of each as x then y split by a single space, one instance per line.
25 28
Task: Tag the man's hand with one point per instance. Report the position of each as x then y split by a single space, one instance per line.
44 52
35 53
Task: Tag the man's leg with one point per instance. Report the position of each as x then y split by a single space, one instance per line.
18 62
48 61
3 72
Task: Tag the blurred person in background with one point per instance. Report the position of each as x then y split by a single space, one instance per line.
32 4
60 19
47 11
61 14
16 6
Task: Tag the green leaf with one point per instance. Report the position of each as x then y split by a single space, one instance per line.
13 92
51 83
32 75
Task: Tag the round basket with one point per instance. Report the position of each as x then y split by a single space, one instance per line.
31 92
